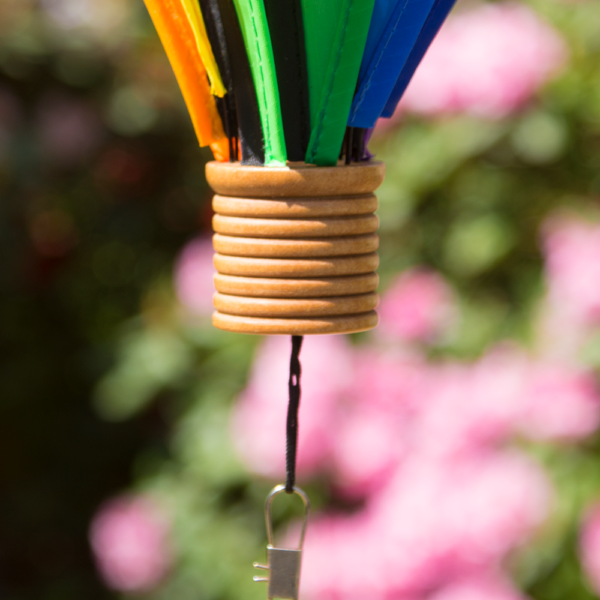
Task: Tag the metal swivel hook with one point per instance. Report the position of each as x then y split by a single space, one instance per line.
284 563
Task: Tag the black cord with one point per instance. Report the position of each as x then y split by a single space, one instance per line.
292 415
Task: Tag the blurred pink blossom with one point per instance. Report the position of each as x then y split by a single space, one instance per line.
562 403
482 587
129 538
258 419
473 407
374 419
487 61
458 515
589 547
367 447
436 521
194 272
416 307
572 253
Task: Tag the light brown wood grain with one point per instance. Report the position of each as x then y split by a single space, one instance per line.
308 326
234 179
290 208
294 268
296 288
295 307
295 228
295 248
273 248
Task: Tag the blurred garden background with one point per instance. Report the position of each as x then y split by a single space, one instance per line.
451 454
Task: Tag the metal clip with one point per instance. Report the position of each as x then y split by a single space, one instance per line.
284 563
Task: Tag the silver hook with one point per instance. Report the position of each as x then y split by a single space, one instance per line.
284 563
275 492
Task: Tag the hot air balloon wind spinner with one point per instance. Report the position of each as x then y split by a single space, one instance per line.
286 93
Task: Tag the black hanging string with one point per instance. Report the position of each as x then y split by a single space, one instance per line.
292 415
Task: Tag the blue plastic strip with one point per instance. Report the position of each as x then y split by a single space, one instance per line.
433 24
388 61
382 13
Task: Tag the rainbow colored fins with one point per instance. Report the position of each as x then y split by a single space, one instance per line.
180 31
267 81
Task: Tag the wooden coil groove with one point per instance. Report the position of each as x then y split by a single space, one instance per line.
295 228
296 288
279 267
291 208
306 248
302 181
308 326
295 307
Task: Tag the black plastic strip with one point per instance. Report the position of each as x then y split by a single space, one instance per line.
248 115
226 105
287 39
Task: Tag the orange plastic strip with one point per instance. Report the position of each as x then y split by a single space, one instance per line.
177 37
220 150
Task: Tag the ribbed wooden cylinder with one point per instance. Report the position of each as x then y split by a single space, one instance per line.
295 248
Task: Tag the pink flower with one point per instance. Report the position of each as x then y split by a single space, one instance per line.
374 420
487 61
367 447
589 547
572 252
484 586
416 307
258 419
340 559
469 408
194 272
562 403
453 516
435 522
129 538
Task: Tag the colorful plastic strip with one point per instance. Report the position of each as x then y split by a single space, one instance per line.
179 42
192 11
218 42
433 24
246 101
387 62
336 33
383 11
287 37
253 23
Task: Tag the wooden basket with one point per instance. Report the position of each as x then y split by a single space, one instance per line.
295 248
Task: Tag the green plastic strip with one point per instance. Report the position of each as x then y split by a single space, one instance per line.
253 23
320 25
336 33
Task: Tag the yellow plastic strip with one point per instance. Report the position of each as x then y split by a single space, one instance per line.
178 40
192 10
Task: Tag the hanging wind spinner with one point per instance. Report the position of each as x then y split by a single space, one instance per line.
286 94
